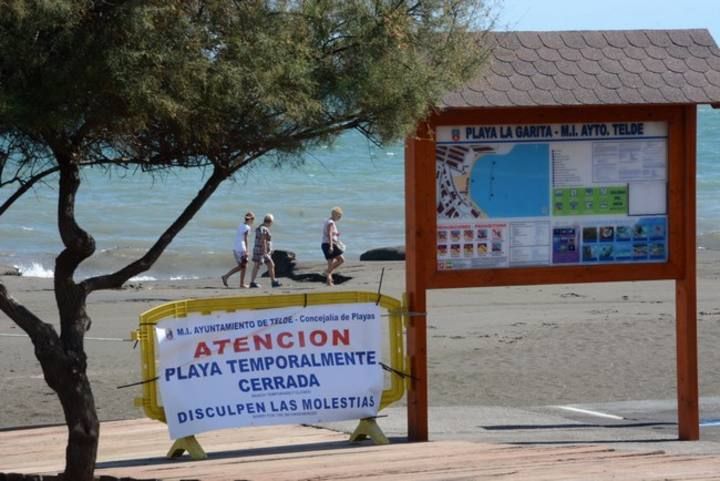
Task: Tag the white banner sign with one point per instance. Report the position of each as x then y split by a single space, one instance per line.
275 366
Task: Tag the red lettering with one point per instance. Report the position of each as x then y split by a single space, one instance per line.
318 338
265 342
281 340
202 350
341 337
241 344
221 345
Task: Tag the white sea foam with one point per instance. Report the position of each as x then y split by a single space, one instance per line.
142 279
34 270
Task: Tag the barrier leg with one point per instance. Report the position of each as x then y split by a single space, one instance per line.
368 428
189 444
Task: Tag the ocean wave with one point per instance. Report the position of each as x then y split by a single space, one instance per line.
142 279
35 270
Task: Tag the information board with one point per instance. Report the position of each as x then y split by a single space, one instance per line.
553 194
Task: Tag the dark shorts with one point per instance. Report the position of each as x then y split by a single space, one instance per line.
326 251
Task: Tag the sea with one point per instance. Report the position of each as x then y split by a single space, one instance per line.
126 211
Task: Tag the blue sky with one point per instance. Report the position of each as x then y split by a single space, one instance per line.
609 15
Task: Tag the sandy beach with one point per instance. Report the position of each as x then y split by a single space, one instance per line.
519 346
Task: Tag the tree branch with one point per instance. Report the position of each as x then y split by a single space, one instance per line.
20 315
26 185
338 125
117 279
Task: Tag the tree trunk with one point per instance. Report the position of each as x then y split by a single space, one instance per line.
83 425
68 374
83 433
65 372
64 366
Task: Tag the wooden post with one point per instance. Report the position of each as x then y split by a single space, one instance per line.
419 163
686 295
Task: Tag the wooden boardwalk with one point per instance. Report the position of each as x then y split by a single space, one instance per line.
287 453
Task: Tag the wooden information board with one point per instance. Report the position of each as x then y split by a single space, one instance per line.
526 196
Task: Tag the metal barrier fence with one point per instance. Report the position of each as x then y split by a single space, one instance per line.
145 335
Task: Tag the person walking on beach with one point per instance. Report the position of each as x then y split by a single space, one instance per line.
331 245
240 251
262 251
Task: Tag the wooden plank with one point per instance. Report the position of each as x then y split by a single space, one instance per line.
527 276
419 156
136 449
686 297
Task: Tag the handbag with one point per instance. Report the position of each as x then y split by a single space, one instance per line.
339 246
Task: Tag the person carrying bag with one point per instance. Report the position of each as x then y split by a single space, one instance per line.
333 249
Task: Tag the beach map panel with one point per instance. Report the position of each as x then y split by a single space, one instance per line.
556 194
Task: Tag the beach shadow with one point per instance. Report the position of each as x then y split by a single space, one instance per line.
620 442
593 435
316 277
523 427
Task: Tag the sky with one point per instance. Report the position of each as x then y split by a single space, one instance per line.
609 15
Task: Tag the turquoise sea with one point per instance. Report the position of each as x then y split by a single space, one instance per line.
125 212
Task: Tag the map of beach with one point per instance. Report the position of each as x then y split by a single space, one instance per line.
483 181
515 184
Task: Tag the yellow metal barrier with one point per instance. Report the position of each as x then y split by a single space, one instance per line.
145 335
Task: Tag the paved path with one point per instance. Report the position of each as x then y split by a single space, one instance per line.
136 448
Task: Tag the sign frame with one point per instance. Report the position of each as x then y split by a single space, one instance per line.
554 274
422 270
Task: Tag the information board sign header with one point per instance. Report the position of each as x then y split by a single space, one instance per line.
550 132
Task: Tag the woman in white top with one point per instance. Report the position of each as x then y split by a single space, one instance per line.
240 251
331 246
